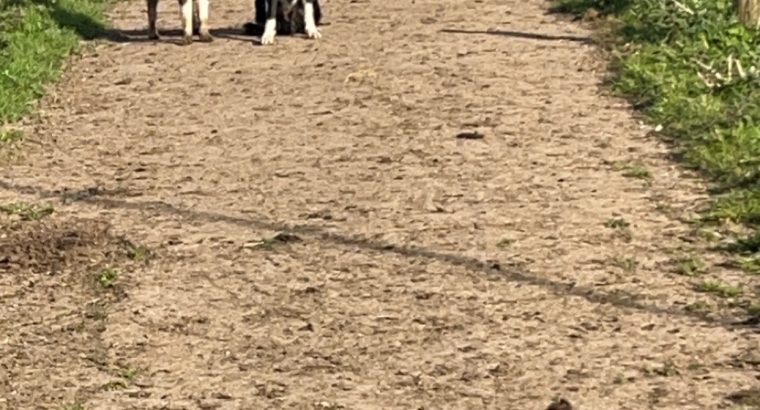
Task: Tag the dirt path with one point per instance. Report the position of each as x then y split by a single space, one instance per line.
420 270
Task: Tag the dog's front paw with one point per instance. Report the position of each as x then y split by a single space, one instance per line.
270 30
205 37
313 32
267 38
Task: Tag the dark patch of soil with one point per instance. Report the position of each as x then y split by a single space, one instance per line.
51 353
50 248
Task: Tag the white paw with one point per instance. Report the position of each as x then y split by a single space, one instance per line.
312 32
270 29
267 38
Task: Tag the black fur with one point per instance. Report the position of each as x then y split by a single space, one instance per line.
290 20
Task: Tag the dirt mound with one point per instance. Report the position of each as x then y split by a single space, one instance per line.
57 279
50 247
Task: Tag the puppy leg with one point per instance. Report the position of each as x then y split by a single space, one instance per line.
256 27
270 27
310 23
152 15
260 16
196 19
317 13
203 33
186 7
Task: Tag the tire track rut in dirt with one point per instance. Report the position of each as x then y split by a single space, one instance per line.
204 153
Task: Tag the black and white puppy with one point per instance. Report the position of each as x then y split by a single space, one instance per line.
286 17
193 20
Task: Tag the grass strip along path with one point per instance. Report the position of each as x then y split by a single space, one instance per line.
691 67
36 36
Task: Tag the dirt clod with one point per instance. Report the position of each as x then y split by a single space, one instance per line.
49 247
560 404
470 135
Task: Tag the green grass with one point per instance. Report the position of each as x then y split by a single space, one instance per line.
26 212
617 223
750 264
107 277
638 171
754 310
719 288
749 245
35 38
10 136
689 266
692 68
137 253
128 373
740 205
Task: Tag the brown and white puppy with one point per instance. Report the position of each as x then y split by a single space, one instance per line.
285 17
192 20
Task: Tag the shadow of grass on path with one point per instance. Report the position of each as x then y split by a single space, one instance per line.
581 6
81 17
499 271
521 34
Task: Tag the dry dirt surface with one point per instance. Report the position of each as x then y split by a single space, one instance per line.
317 236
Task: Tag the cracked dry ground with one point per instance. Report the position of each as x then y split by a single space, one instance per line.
419 270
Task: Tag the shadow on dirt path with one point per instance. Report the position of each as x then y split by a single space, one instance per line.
520 34
384 291
493 268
